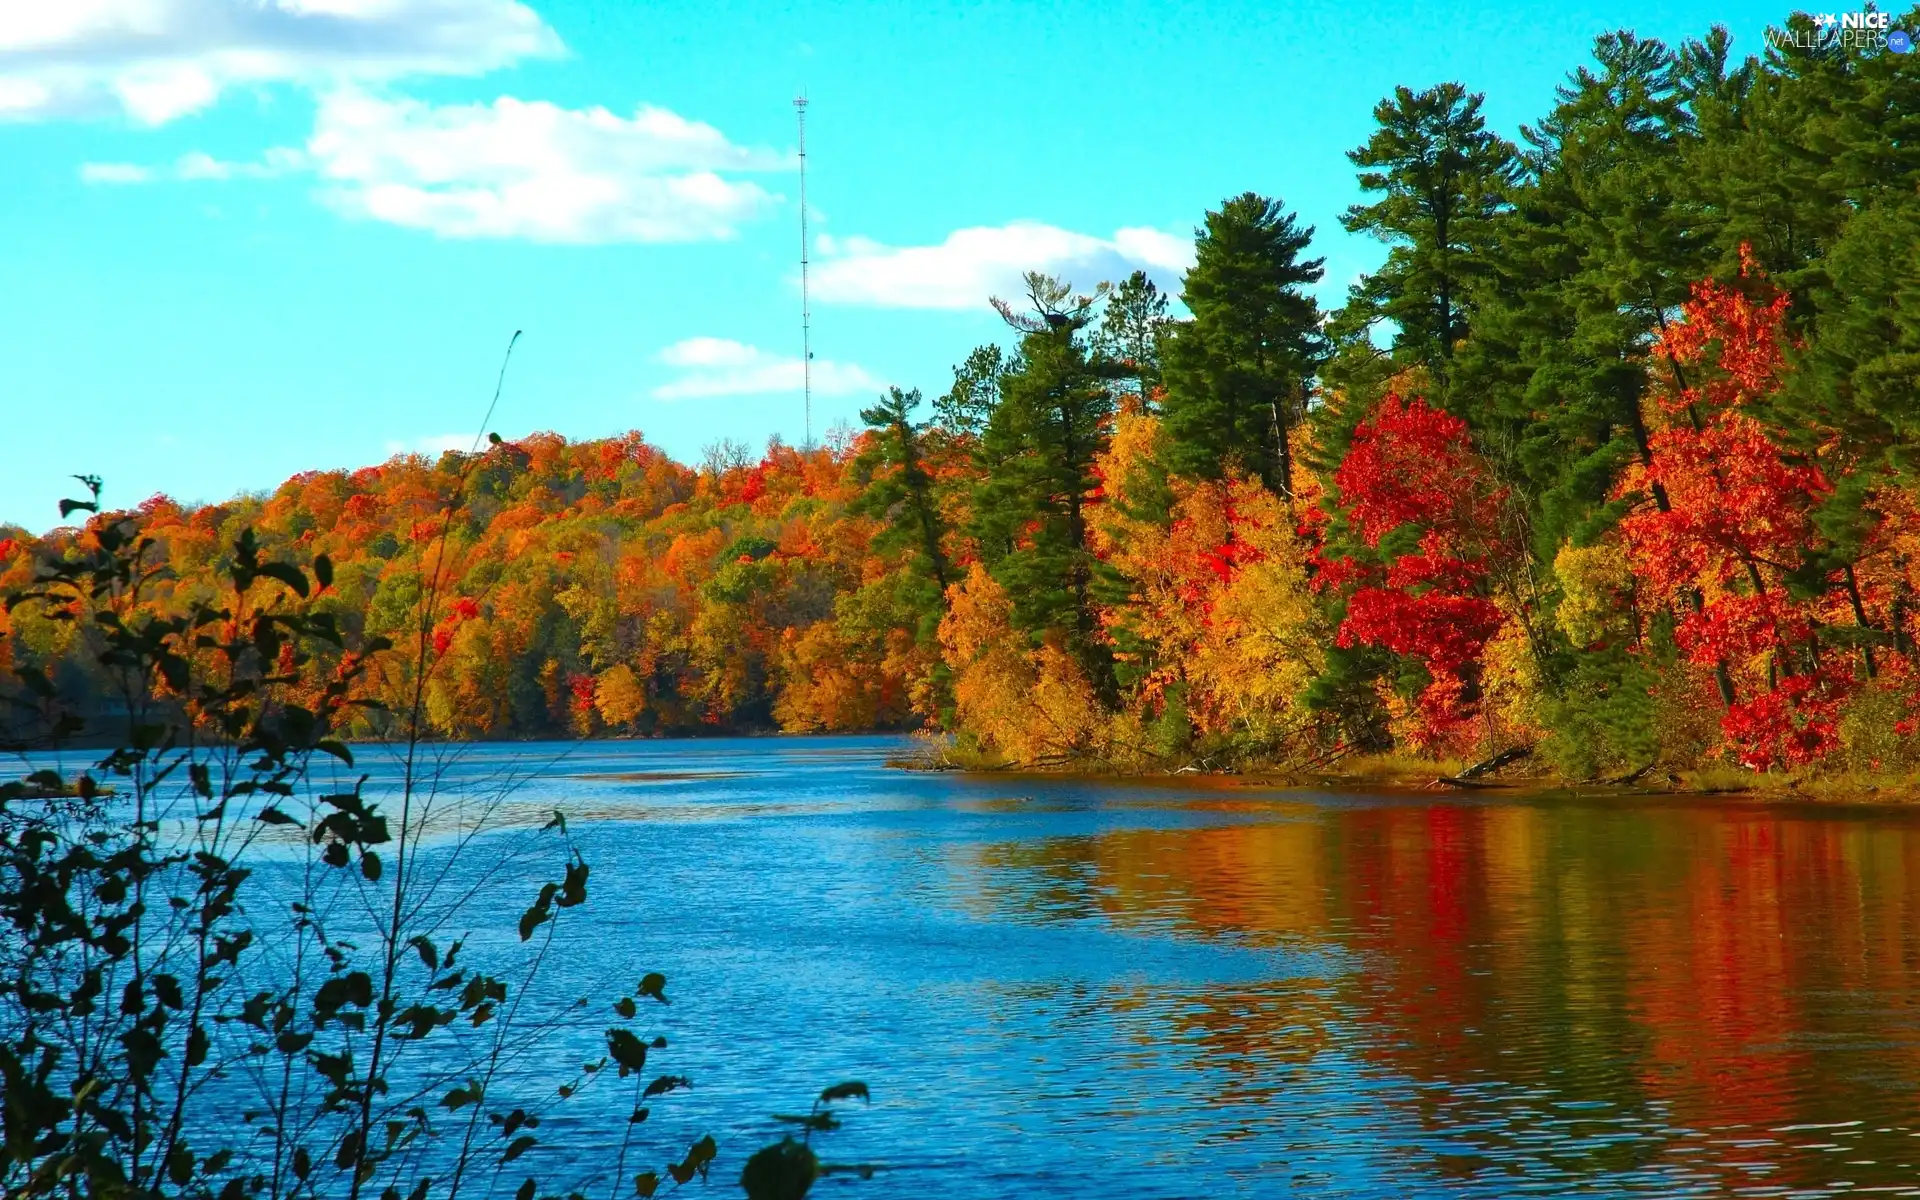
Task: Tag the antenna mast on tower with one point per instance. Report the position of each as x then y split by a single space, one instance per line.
806 316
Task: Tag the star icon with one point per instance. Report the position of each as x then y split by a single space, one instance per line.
1826 20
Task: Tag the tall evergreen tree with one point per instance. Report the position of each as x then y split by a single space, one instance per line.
1605 241
1238 374
1038 451
1128 339
1606 238
1442 178
899 489
969 403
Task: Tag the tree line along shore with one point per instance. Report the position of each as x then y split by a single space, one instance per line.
1611 470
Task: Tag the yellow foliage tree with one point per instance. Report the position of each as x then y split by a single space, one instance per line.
1218 609
619 696
1263 638
1596 590
1029 705
826 685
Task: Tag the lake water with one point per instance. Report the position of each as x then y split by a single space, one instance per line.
1074 989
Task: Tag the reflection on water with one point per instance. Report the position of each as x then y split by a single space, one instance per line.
1069 989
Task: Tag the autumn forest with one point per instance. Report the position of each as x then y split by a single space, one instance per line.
1615 459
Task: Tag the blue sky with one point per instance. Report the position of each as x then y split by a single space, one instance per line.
245 238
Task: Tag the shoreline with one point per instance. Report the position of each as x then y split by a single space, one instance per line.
1885 789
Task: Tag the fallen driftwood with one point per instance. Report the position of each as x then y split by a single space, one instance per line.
1470 778
1461 781
1322 761
1630 776
1510 755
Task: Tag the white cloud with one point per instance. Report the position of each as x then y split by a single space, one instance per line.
719 367
278 161
116 173
973 264
531 169
510 169
156 60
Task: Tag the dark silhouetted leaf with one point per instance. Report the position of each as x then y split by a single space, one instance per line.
519 1146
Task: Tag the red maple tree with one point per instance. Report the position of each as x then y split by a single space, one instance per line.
1414 465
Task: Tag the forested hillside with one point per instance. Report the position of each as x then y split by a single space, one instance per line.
1617 455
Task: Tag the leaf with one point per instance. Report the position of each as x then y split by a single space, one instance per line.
699 1155
853 1089
525 1191
519 1146
665 1084
646 1183
323 570
274 816
785 1169
627 1050
286 573
166 989
370 865
539 912
819 1122
653 984
574 890
37 682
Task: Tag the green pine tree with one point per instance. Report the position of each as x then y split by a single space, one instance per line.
1037 456
899 489
1442 178
968 405
1238 374
1128 339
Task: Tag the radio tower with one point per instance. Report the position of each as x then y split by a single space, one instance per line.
806 316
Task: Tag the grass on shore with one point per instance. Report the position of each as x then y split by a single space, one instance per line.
1835 786
1881 786
1876 786
1393 767
1899 785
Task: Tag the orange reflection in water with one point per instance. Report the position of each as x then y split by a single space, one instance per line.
1699 979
